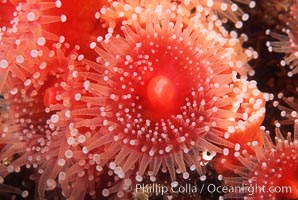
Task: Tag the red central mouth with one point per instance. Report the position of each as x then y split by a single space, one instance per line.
161 93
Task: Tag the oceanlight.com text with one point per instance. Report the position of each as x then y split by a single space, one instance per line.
248 189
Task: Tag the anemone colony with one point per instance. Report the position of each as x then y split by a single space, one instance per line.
274 164
98 96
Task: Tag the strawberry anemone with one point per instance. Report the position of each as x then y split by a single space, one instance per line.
251 104
155 98
273 168
121 12
125 12
37 26
25 41
225 10
287 43
28 138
